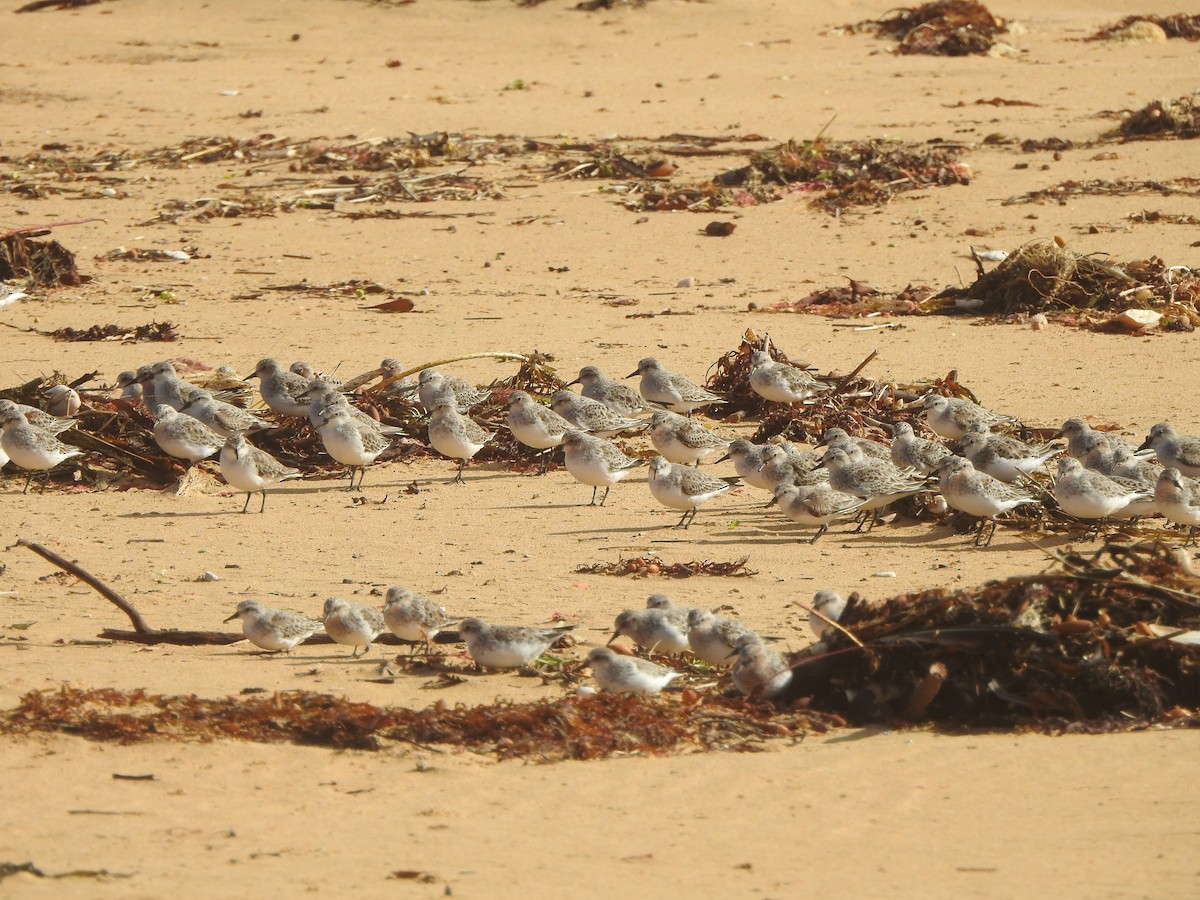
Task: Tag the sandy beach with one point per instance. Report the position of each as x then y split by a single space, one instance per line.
531 262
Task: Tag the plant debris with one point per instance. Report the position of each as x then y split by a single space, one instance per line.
944 27
154 331
1085 649
148 254
1179 118
649 564
8 869
854 402
590 727
838 174
1180 25
1071 190
1150 216
855 299
1047 276
346 177
42 264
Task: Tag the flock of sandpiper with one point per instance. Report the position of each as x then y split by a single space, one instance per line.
969 467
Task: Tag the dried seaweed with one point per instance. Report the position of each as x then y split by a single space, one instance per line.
856 403
386 170
1070 190
857 299
1048 276
154 331
1180 25
1179 118
839 175
1154 217
649 564
944 27
42 264
580 728
1083 649
8 869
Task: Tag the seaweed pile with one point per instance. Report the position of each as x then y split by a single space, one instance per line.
1089 648
943 27
1046 276
152 331
39 264
853 402
1180 25
650 564
840 175
1179 118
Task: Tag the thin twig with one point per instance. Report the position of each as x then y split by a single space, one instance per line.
828 621
862 365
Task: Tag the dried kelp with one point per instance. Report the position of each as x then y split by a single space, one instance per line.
944 27
1047 276
153 331
1155 217
649 564
854 402
1087 648
1180 25
856 299
1071 190
8 869
328 176
838 174
41 264
573 727
1179 118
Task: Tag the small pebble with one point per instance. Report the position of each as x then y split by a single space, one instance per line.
685 282
209 576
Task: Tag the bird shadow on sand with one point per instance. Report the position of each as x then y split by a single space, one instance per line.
179 514
627 530
541 506
1005 540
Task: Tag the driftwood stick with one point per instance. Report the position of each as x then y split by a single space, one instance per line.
135 617
862 365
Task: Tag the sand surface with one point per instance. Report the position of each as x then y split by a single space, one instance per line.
854 814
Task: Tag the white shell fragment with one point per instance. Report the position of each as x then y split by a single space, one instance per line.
1139 319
